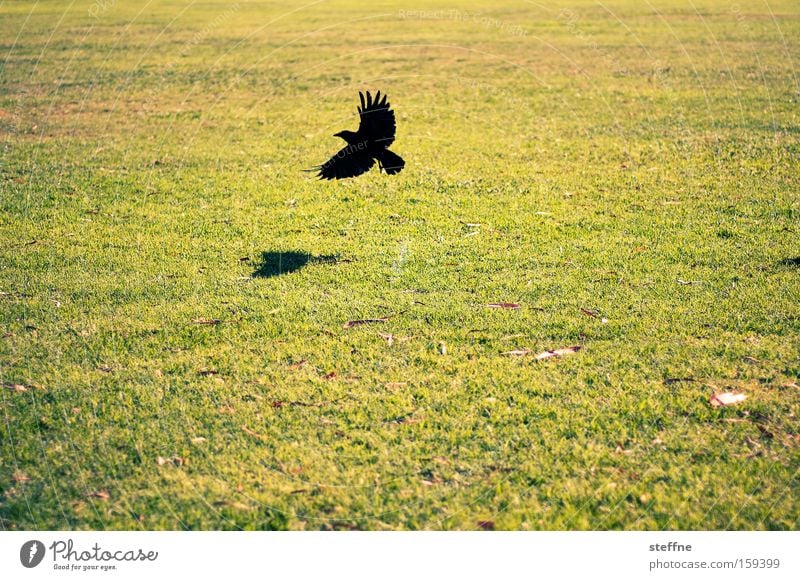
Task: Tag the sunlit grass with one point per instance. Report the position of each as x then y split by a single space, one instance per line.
627 174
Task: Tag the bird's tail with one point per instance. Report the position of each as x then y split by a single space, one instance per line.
390 162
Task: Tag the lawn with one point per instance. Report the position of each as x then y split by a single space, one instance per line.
176 295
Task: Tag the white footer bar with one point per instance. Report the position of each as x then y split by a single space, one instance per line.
400 555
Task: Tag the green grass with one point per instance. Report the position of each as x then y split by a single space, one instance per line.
151 158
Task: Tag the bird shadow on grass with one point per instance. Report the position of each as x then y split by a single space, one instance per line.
279 263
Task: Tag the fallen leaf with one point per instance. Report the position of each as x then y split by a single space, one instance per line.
765 432
174 460
388 337
211 321
509 305
395 385
487 525
20 477
519 352
330 375
687 282
588 312
199 439
17 388
252 433
406 420
728 398
207 372
298 364
102 494
558 352
352 323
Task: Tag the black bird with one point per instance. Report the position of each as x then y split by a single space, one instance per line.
368 144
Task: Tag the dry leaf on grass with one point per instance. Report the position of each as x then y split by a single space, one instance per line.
487 525
395 385
20 477
352 323
102 494
211 321
406 420
207 372
507 305
725 399
252 433
174 460
558 352
588 312
672 380
19 387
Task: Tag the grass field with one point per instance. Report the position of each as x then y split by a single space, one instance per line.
174 291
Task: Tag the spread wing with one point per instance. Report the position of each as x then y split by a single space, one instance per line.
348 162
377 119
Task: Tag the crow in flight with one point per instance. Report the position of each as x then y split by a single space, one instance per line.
371 141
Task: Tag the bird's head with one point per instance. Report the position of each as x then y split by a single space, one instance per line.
348 136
